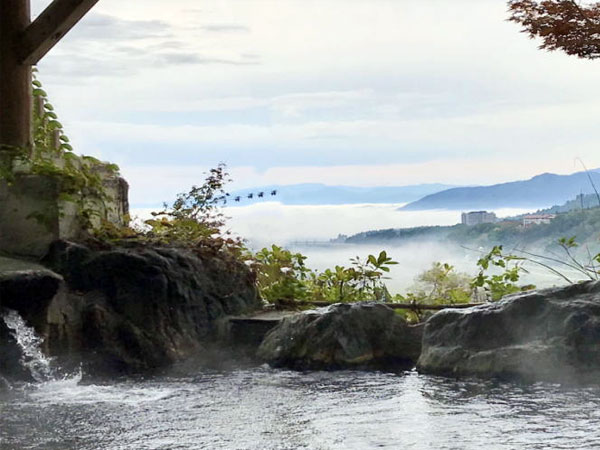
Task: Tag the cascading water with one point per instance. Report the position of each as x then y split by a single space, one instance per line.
33 359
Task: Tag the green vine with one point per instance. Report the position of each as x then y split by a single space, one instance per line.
79 179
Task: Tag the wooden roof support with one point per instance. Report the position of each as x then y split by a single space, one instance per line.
22 44
49 27
15 78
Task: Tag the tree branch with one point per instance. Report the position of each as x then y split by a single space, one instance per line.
582 13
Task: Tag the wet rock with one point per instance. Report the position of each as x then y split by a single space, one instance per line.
123 310
551 334
361 335
133 310
4 385
28 289
246 333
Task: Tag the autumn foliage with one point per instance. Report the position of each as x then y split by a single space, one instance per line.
561 24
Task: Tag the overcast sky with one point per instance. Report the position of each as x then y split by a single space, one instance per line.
355 92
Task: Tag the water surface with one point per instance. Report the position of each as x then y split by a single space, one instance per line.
262 408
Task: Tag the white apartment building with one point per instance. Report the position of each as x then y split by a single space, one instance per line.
477 217
537 219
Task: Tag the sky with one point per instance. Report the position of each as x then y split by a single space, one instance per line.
341 92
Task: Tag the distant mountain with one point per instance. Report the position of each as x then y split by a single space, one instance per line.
540 191
320 194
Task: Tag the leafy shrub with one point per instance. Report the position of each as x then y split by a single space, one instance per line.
282 275
193 221
440 285
497 286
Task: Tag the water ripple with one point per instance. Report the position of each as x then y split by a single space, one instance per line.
260 408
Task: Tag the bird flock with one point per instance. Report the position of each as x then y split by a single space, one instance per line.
251 195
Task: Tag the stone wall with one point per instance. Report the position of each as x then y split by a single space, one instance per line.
32 213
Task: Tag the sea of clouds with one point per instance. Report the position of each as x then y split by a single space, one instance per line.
308 229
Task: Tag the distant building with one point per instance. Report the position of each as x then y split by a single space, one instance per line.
537 219
477 217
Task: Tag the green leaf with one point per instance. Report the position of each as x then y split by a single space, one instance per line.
39 93
54 125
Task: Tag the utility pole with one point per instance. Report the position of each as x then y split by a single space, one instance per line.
22 44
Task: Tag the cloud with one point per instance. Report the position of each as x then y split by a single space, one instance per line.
371 92
225 28
192 58
104 45
297 104
509 133
103 27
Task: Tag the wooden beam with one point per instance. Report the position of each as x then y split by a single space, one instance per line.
49 28
15 78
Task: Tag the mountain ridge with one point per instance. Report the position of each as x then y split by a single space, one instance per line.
542 190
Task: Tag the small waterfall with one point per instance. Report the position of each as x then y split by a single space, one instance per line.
32 357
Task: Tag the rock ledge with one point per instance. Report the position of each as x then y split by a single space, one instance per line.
341 336
550 334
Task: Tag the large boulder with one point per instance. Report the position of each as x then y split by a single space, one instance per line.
136 309
551 334
360 335
123 310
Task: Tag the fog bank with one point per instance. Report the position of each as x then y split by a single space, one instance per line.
307 229
271 222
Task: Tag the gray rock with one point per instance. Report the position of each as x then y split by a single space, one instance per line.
143 308
4 385
551 334
124 310
363 335
28 291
